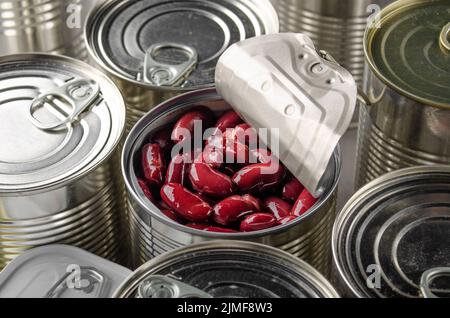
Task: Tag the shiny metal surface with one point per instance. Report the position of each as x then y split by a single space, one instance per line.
48 26
120 33
233 269
57 186
60 271
153 234
392 239
398 131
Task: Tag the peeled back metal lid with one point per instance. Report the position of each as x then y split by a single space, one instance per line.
174 43
226 269
409 49
60 271
59 119
392 239
281 82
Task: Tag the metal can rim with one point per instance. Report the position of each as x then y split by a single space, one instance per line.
325 286
369 189
155 113
89 24
369 33
98 161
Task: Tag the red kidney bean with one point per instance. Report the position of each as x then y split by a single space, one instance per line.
144 187
178 169
278 207
228 120
207 199
304 202
219 230
258 222
259 177
244 133
287 219
171 215
253 201
163 139
208 181
185 203
292 190
153 164
231 209
197 226
187 121
213 156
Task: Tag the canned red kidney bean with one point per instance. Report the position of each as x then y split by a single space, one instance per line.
292 190
186 123
228 120
279 208
258 222
211 194
205 179
231 210
153 164
188 205
304 202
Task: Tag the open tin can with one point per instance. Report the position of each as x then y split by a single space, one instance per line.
226 269
392 239
407 121
152 233
157 49
60 125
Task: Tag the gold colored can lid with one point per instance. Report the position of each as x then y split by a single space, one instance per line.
408 48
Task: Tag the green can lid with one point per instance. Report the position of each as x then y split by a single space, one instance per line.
409 49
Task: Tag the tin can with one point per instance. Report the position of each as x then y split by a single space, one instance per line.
60 123
392 239
226 269
408 85
153 234
53 26
157 49
60 271
335 26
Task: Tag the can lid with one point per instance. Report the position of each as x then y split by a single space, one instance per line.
172 43
409 49
58 120
282 83
60 271
393 232
226 269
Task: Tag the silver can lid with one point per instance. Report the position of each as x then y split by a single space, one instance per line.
224 269
59 119
393 232
60 271
175 43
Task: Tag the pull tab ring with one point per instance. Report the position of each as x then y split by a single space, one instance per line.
79 94
164 74
428 277
444 38
158 286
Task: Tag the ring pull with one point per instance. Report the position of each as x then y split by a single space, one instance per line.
428 277
78 94
444 38
164 74
90 279
158 286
